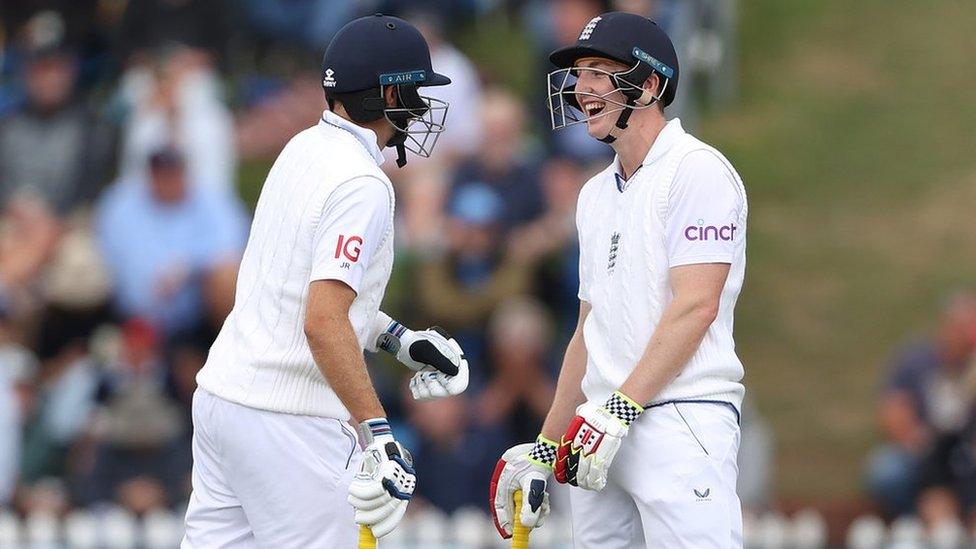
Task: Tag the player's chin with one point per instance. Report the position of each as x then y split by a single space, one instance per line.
597 127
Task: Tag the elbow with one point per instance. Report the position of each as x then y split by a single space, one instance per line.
316 332
705 312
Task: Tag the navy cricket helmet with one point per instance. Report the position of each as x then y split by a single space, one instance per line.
373 52
633 40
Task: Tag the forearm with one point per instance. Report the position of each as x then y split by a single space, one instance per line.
673 343
569 390
336 352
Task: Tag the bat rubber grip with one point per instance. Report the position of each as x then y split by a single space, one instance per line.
366 538
520 534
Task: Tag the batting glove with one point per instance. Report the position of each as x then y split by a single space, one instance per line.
437 358
386 480
587 449
525 467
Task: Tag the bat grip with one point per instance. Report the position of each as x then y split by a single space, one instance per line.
366 538
520 534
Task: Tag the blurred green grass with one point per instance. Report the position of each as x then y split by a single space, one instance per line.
854 133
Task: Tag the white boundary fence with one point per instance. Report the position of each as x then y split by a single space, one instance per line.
115 528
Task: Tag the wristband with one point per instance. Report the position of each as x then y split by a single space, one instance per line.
389 339
623 408
544 452
373 429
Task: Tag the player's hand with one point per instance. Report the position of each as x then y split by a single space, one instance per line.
525 467
587 449
437 358
386 480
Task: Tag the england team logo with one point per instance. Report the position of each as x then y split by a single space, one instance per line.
588 29
614 246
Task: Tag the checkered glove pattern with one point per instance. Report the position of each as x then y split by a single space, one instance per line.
622 408
592 440
544 452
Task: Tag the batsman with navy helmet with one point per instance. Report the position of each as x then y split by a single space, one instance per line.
275 462
644 425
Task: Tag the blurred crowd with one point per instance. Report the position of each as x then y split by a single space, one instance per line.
125 127
927 412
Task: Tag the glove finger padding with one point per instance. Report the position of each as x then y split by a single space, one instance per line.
390 523
425 352
567 457
535 501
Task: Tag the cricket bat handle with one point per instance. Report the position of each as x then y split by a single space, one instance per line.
366 538
520 534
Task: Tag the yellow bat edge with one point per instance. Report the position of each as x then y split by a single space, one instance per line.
366 538
520 534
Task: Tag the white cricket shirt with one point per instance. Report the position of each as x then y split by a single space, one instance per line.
684 205
325 212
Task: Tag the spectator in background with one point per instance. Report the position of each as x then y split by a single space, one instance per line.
175 98
172 247
461 287
202 25
140 455
57 405
520 389
453 452
305 23
501 161
17 364
924 404
29 235
422 185
54 147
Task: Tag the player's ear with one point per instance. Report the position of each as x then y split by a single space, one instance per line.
390 96
653 83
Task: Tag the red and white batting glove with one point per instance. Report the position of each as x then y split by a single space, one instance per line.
386 479
587 449
525 467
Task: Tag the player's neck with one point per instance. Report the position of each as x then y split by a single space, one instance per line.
636 141
382 128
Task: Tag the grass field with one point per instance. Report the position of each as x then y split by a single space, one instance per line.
855 135
855 132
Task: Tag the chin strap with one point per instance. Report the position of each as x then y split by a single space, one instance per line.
401 160
646 99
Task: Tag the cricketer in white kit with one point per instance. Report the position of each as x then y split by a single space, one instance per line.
644 424
276 463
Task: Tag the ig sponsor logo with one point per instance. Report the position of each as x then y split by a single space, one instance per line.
349 247
710 232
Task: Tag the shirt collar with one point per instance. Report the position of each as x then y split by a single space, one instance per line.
669 135
365 136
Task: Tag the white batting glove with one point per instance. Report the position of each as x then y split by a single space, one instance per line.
385 482
525 467
437 358
591 442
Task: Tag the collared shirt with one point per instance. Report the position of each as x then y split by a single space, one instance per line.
325 213
685 205
149 245
365 136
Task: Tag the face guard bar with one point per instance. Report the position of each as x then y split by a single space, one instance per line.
564 101
418 120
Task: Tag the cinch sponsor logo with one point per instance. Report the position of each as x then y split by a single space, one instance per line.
710 232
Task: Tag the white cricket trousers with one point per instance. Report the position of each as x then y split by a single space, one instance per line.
671 485
267 479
